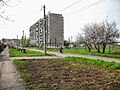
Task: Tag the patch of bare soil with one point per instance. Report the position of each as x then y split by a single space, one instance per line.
69 75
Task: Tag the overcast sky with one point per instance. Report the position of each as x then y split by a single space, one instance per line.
27 12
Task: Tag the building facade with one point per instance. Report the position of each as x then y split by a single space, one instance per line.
12 42
54 31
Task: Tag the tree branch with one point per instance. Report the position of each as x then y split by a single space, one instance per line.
5 3
6 18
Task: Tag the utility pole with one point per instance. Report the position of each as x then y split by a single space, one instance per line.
71 39
17 42
44 31
23 39
38 33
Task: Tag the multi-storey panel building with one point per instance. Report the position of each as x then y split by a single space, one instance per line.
54 31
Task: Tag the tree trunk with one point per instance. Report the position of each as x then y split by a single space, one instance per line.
104 46
97 48
89 49
109 48
85 48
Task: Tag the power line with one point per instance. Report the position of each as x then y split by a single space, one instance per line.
70 6
87 7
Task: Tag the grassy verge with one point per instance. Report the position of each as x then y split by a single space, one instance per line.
82 51
70 73
29 53
93 52
102 63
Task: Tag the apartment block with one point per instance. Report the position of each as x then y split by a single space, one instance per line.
54 31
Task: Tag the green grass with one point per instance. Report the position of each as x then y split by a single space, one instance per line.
29 53
81 50
93 52
19 62
102 63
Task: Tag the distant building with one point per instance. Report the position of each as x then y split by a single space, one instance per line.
54 31
12 42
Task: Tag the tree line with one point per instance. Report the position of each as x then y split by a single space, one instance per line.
98 35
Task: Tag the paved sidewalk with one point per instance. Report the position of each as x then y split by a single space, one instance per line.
9 77
80 55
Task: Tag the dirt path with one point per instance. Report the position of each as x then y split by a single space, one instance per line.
9 77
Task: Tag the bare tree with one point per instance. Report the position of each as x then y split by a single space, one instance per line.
2 4
80 39
100 34
109 33
92 32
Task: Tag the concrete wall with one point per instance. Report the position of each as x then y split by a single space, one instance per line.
54 28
